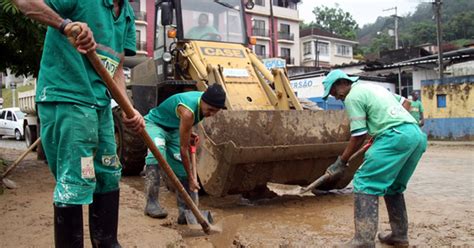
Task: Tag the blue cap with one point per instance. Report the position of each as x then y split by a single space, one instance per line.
332 77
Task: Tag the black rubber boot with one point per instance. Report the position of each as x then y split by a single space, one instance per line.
182 207
397 214
366 217
152 192
103 220
68 226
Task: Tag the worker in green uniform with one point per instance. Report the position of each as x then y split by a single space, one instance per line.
203 31
77 130
170 126
416 108
388 164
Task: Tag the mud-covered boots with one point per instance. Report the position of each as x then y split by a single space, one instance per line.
366 217
397 214
68 226
152 191
103 220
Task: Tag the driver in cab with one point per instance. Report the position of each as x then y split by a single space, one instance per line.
203 31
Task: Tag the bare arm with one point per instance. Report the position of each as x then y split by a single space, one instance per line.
422 120
39 11
185 130
355 143
406 104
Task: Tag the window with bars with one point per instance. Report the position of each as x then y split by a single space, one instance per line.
307 47
259 28
284 28
323 49
260 50
343 50
285 4
285 52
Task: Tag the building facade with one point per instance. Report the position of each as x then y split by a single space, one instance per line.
141 24
331 49
449 108
275 24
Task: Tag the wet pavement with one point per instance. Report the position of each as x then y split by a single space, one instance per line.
11 143
439 200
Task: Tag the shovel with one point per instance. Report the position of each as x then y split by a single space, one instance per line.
126 106
284 189
9 183
190 218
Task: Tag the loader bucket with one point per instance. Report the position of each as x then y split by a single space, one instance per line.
241 151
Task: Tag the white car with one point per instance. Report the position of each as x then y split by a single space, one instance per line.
11 122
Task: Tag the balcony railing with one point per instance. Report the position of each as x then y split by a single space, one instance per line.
286 36
140 16
289 60
141 45
263 56
260 32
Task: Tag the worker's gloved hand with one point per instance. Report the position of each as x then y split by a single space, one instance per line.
337 168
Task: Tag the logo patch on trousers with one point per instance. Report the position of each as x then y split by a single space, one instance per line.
110 160
177 156
87 167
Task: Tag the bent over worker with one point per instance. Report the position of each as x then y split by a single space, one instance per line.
170 126
77 130
388 164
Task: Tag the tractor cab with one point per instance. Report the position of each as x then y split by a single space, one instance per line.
204 20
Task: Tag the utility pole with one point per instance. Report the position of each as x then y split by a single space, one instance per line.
272 31
396 17
437 11
396 47
13 88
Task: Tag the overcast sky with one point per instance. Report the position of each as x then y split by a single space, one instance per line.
363 11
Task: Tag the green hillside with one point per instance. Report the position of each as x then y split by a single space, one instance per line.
419 27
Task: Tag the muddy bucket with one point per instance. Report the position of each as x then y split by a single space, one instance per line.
241 151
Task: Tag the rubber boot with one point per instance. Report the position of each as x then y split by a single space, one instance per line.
103 220
152 192
68 226
182 207
366 215
397 214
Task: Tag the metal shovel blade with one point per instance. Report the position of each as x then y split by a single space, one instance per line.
286 189
9 183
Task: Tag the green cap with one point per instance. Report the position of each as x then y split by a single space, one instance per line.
332 77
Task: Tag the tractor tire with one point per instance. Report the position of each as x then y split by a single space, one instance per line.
30 136
130 147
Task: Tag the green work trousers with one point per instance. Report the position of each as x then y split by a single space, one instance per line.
168 142
80 147
390 161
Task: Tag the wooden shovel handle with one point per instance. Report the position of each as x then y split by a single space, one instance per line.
22 156
126 106
327 176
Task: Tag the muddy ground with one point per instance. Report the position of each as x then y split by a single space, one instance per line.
440 203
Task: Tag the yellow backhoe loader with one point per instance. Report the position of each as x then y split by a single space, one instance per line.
264 135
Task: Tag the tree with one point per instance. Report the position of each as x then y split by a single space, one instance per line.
21 41
423 32
336 20
460 26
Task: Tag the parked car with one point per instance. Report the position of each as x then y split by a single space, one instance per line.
11 123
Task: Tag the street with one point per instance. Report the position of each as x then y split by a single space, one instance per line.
439 200
11 143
